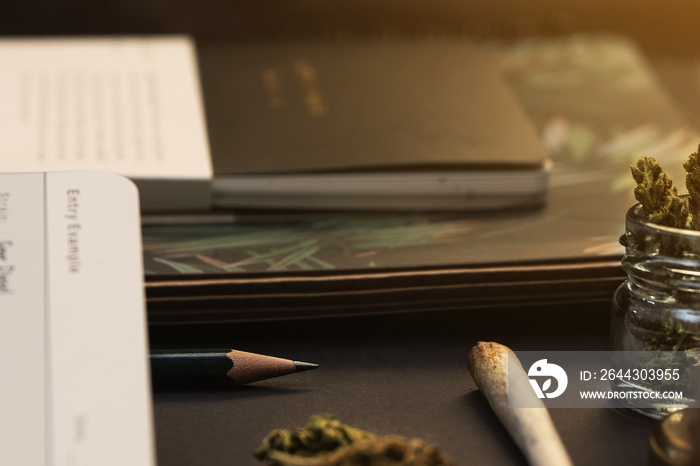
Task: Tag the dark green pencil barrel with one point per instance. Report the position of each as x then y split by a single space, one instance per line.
185 363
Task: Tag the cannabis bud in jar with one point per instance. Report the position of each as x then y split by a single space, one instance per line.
658 307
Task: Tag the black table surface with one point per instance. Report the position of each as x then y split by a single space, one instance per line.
400 374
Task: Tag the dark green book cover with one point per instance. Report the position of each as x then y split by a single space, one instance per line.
319 106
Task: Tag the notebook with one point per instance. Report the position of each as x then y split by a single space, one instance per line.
73 342
128 105
405 124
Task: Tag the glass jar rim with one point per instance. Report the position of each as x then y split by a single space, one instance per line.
660 260
633 217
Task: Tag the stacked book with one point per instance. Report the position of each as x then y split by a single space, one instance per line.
352 176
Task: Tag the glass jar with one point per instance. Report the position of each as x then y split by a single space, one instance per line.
658 307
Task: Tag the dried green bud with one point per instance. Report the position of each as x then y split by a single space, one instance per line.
327 442
692 182
323 434
657 195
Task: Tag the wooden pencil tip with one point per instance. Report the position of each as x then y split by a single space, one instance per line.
304 366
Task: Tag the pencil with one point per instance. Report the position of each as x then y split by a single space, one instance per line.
202 366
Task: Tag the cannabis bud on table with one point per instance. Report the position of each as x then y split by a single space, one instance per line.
325 441
658 307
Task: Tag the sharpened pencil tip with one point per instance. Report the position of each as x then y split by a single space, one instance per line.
304 366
